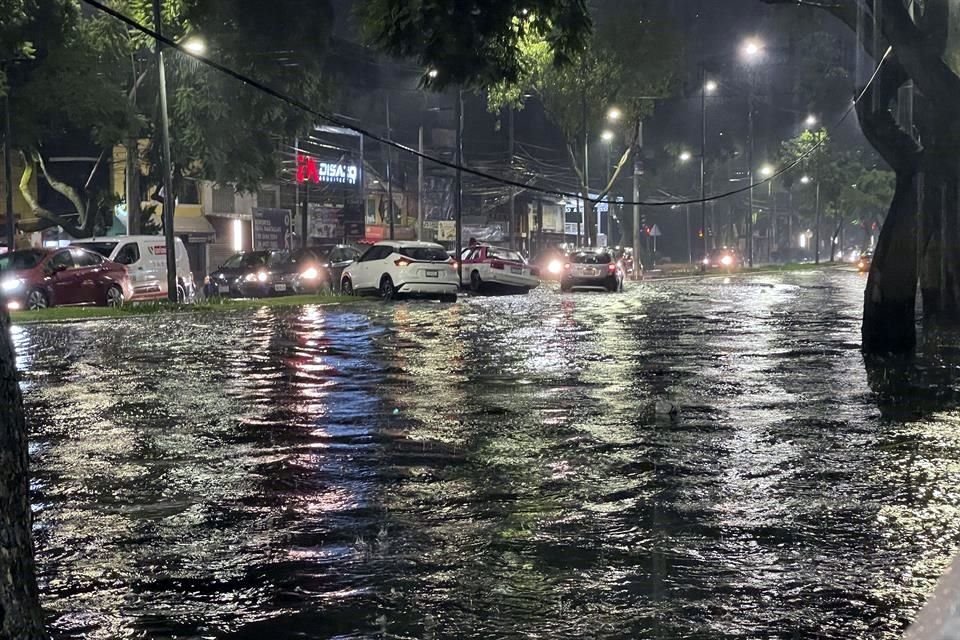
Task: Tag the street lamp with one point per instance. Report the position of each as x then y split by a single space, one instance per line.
710 86
811 121
750 51
195 45
805 180
607 136
614 114
766 171
686 156
432 73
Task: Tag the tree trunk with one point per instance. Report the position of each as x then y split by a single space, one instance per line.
133 186
20 615
589 218
890 296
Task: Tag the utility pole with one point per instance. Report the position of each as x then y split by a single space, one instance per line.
389 178
169 199
703 156
8 172
513 193
637 165
749 224
420 183
362 176
588 207
458 196
689 236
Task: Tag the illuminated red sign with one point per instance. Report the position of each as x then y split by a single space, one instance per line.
310 170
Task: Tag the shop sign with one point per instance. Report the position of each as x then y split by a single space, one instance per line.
309 169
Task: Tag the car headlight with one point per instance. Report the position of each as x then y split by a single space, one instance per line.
11 284
251 277
726 261
706 261
309 274
262 276
555 266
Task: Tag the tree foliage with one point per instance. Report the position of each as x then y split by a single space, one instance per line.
476 43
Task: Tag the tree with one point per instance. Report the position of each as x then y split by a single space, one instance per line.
922 50
630 59
20 615
100 80
475 44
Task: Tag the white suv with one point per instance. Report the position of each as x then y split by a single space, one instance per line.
393 268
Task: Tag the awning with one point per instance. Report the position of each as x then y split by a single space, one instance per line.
196 228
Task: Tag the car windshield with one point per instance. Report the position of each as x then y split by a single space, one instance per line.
247 260
20 260
590 257
425 254
505 254
103 248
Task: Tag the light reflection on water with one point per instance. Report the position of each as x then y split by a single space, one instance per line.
494 468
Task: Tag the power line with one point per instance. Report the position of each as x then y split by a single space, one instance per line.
294 102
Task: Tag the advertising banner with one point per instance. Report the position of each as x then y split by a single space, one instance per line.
271 228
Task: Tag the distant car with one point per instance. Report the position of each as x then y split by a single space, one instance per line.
145 258
793 254
594 269
41 278
251 274
485 266
723 259
395 268
550 263
316 268
864 262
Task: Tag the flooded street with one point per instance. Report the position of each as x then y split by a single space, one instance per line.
494 468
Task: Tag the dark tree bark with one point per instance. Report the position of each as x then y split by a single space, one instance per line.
20 614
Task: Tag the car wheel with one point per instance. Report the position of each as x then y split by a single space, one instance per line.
346 287
475 282
37 299
448 297
387 290
114 296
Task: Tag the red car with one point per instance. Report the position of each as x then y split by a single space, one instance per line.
40 278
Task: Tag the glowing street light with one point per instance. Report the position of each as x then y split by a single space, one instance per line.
686 156
614 114
710 86
607 136
432 73
751 49
811 121
195 45
805 180
766 171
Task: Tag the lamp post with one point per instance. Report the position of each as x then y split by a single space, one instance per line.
607 137
766 172
706 87
169 199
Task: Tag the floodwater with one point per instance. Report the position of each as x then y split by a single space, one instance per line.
494 469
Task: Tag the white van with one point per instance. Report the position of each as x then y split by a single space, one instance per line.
146 260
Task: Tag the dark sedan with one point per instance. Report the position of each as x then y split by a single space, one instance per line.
312 269
251 274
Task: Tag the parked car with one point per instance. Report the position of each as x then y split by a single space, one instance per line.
316 268
592 268
864 262
41 278
485 266
145 258
394 268
723 259
250 274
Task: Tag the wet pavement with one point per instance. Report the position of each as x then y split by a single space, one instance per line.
495 468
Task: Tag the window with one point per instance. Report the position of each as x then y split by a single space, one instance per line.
223 200
590 257
128 254
20 260
83 258
426 254
61 259
504 254
377 252
103 248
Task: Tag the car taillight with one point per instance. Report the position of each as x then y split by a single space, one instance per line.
496 264
401 262
454 265
566 266
612 267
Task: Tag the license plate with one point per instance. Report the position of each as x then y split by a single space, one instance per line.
432 273
590 272
279 287
516 270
